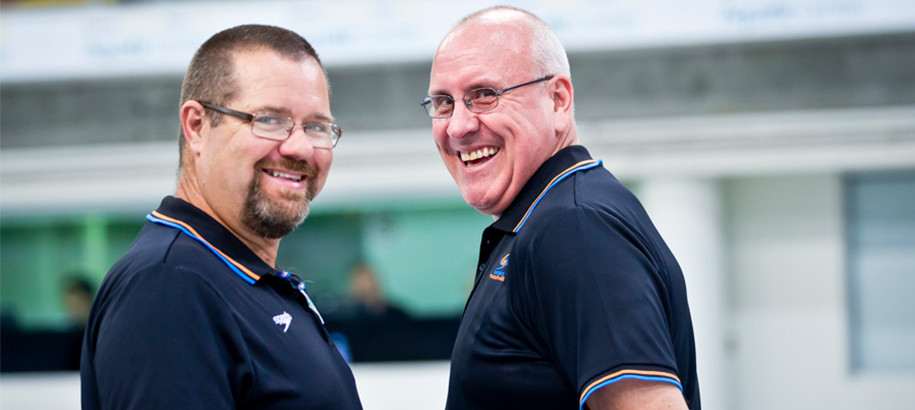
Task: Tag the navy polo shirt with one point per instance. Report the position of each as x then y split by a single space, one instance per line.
575 290
190 318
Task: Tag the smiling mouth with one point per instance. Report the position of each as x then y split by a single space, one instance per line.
284 175
477 157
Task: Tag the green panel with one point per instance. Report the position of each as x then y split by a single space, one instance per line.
34 261
36 255
320 251
18 267
95 246
426 259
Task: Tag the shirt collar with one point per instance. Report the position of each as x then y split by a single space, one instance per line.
217 238
568 160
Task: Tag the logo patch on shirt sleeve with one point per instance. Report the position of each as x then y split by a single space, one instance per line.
499 272
283 320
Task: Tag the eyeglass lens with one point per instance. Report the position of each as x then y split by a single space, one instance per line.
279 128
479 101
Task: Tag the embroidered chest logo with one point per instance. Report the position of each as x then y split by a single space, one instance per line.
499 272
283 320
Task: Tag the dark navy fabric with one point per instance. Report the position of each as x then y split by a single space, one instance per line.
575 290
173 327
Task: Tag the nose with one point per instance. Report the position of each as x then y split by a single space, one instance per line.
462 121
297 146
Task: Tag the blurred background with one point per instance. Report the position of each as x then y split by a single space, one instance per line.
772 142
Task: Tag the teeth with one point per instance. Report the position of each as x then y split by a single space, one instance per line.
480 153
278 174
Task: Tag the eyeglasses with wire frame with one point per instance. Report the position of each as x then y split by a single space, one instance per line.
321 134
478 100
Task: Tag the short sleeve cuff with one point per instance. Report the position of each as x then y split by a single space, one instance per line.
609 379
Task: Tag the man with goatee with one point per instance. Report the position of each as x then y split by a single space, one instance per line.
196 315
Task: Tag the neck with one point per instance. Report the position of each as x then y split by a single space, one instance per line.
264 248
568 139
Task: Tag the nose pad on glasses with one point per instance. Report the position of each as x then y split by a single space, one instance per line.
294 146
297 127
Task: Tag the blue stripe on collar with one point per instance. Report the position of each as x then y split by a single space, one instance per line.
588 164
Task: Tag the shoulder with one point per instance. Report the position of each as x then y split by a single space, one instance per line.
590 224
162 267
147 295
571 215
588 205
160 248
590 189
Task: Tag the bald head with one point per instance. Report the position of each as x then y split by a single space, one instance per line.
529 37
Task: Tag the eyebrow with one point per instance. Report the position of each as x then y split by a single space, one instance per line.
438 93
285 111
477 84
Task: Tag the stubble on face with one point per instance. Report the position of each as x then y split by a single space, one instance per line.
275 218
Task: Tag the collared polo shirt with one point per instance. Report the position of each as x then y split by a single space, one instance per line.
575 290
190 318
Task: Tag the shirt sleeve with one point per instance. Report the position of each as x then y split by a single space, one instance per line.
592 291
164 340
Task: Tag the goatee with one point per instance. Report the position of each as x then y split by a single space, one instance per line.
273 219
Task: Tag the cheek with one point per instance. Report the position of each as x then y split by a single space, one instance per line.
323 163
440 133
232 165
323 159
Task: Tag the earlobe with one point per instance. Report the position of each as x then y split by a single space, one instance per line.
192 120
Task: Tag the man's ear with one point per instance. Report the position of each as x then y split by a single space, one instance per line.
193 117
562 95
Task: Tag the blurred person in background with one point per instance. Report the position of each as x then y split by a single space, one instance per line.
374 328
366 294
77 297
577 302
196 315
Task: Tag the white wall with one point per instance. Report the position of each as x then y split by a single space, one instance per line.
787 298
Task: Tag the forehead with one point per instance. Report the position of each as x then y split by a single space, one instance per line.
263 73
479 54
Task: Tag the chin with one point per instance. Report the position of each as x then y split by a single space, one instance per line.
481 206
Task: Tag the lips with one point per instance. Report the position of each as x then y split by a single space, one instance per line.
476 157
